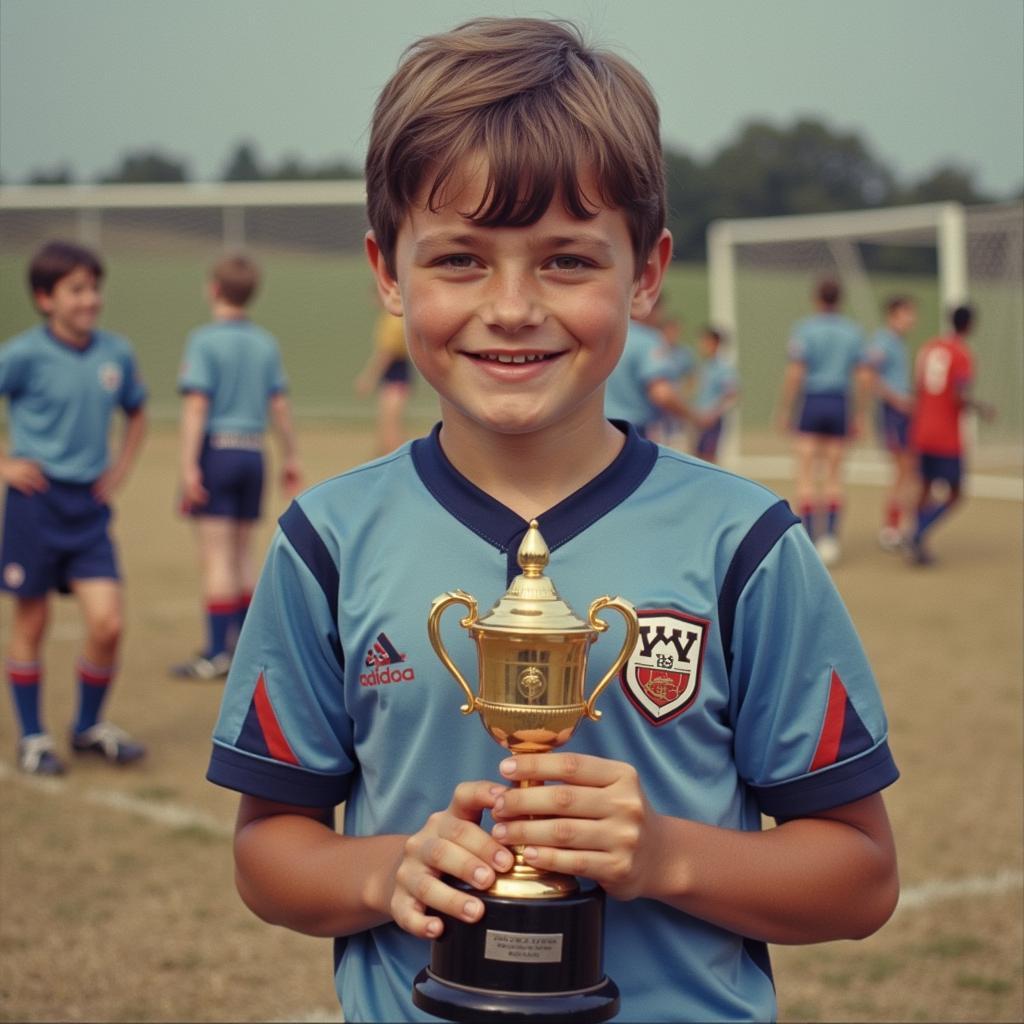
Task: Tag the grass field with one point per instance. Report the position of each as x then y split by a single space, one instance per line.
116 886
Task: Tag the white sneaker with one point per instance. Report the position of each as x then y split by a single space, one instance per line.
890 539
36 755
828 549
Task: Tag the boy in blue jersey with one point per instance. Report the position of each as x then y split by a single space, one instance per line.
64 380
517 227
826 372
717 393
889 364
231 376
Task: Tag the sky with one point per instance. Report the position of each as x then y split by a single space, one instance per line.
924 82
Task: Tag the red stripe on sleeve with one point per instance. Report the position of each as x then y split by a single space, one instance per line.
272 734
832 729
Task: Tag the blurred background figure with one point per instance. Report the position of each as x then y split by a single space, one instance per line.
717 391
388 372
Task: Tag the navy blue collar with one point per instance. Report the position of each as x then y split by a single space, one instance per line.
77 349
503 528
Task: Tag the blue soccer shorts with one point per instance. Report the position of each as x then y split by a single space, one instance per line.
824 414
708 439
233 476
53 537
949 468
894 428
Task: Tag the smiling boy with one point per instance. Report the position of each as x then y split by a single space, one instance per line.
516 195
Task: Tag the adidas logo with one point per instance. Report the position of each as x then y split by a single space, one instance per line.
385 664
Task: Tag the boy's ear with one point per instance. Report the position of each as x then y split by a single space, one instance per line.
648 284
387 285
43 301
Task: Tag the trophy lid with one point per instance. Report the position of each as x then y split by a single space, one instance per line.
531 604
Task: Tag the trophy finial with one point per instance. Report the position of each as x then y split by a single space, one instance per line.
533 555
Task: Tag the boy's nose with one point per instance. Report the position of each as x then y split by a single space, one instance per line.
511 305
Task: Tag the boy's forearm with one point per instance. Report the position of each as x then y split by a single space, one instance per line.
134 433
281 412
809 880
194 409
294 871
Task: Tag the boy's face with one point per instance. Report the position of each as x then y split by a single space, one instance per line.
74 305
708 345
516 328
903 318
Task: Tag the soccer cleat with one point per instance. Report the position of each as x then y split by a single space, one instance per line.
828 549
201 667
918 554
36 756
890 539
110 742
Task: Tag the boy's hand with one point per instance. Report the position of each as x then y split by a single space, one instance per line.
107 483
597 824
23 475
450 843
193 493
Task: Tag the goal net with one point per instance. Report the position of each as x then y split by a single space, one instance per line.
158 242
762 273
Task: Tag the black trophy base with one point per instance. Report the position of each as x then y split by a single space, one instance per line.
524 959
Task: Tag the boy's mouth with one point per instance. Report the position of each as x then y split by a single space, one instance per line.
516 359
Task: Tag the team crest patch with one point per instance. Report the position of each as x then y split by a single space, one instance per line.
662 675
110 376
14 575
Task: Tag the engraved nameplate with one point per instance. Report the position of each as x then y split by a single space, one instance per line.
524 947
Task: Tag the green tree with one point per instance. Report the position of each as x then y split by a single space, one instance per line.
948 182
57 174
145 166
244 164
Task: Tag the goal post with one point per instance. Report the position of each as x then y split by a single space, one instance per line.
761 272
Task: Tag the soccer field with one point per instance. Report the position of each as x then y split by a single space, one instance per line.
116 886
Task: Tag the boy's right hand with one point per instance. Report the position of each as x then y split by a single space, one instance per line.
23 475
451 842
193 493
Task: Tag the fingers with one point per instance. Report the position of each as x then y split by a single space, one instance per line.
577 769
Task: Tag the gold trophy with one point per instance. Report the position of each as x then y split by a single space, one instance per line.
537 950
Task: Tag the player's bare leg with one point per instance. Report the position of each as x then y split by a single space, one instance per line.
805 448
101 606
245 573
900 501
833 452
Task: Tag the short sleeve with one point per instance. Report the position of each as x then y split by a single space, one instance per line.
133 390
810 729
197 372
655 364
14 365
284 733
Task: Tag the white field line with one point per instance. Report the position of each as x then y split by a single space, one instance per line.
928 893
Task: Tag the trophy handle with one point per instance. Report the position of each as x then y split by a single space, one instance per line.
434 632
628 612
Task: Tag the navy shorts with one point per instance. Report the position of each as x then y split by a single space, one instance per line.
397 372
54 537
823 414
707 440
234 479
894 427
942 467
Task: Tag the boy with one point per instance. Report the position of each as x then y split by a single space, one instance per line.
517 226
826 354
63 380
889 364
943 374
387 371
230 377
643 389
717 393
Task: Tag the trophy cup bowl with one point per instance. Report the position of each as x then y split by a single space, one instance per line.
537 950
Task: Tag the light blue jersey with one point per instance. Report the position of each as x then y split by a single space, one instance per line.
61 399
831 347
716 381
748 690
238 366
645 359
887 355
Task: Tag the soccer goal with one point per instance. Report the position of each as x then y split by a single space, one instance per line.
761 273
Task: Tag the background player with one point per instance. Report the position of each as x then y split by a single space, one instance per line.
230 378
387 371
889 364
644 386
63 380
515 312
717 393
826 354
943 374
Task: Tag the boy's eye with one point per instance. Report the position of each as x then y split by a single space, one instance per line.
457 261
568 263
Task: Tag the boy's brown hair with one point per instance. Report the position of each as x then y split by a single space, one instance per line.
56 260
539 107
236 278
828 292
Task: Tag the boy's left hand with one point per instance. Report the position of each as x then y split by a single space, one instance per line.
597 823
107 483
291 478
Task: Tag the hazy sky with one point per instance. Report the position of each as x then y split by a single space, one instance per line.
923 81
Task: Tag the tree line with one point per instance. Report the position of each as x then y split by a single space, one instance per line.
764 170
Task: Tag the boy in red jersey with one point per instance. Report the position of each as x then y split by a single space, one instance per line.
942 378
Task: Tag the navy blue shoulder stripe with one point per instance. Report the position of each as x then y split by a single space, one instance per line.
753 549
310 547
